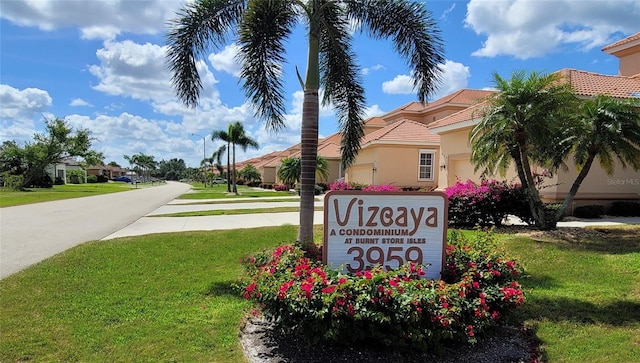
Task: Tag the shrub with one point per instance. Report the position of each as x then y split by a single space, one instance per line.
13 182
341 185
625 209
393 308
486 204
280 187
75 177
381 188
102 179
324 186
92 178
59 181
589 211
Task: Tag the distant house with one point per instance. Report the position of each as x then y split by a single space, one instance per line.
108 171
427 145
59 170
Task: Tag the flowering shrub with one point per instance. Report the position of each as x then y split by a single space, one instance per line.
280 187
485 204
394 308
342 185
382 188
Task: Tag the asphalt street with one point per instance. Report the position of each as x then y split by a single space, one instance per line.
31 233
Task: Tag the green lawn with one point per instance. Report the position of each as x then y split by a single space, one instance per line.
36 195
220 192
170 297
221 212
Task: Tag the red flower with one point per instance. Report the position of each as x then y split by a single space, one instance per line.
330 289
470 330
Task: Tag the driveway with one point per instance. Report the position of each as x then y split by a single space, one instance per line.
31 233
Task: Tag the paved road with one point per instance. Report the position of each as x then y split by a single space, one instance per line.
31 233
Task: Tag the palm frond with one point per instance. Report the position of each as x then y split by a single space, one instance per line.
198 25
340 79
263 31
413 32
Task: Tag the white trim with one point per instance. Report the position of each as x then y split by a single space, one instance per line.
455 126
432 152
622 47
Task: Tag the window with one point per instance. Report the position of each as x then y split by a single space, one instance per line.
426 159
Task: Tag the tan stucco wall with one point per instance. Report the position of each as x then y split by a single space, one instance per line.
268 174
334 172
396 165
597 187
629 64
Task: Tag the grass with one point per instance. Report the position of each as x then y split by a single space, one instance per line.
220 212
166 297
220 192
583 295
170 297
10 198
236 201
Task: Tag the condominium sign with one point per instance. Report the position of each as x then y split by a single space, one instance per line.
363 229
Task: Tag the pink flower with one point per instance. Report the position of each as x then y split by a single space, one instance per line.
330 289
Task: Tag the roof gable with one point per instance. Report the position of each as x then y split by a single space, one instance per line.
402 131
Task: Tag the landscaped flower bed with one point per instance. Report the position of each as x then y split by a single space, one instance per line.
396 308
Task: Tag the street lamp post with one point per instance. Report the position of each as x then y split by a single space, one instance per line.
204 156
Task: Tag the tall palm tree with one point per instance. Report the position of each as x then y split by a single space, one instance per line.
528 121
224 136
263 28
609 129
239 137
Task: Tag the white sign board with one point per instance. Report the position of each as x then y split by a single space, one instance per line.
363 229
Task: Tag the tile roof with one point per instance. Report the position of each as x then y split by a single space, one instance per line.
592 84
329 150
375 121
624 41
583 83
464 96
402 131
467 114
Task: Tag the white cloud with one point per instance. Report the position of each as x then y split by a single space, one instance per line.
225 61
448 11
19 109
96 19
376 67
373 110
401 84
529 28
454 77
80 102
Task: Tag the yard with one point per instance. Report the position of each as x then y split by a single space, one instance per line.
171 297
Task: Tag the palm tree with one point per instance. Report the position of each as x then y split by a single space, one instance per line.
528 121
217 156
290 169
263 28
609 129
224 136
239 137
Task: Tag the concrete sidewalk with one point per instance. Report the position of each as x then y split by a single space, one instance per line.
150 224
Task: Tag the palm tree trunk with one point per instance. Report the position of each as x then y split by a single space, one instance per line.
576 185
235 189
543 221
228 169
309 138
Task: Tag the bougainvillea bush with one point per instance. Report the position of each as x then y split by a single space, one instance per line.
396 308
485 204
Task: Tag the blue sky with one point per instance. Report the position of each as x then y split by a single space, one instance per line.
100 65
